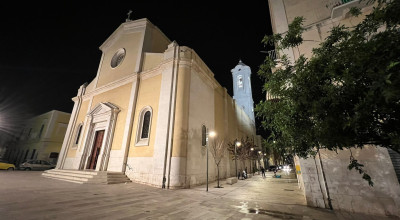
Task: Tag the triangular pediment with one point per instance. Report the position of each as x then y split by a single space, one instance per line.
125 28
103 108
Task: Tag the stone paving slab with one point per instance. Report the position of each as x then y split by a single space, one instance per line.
27 195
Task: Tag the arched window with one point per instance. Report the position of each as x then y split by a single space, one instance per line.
240 81
144 125
78 134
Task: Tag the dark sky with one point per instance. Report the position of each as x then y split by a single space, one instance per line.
49 50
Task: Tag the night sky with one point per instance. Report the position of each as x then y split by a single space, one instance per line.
49 50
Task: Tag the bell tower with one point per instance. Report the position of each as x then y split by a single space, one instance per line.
242 88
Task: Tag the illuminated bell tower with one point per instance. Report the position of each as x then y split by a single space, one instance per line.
242 88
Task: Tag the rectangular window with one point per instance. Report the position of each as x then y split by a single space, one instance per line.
53 155
203 135
33 153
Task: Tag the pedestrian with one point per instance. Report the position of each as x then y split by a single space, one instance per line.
239 175
263 172
244 174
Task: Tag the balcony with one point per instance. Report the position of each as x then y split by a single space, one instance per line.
339 8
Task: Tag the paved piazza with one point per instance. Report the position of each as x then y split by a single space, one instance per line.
28 195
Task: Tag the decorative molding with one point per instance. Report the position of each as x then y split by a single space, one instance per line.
204 76
101 117
112 85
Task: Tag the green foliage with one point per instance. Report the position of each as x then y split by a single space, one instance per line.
346 95
359 167
355 11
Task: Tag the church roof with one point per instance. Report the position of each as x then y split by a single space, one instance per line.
241 63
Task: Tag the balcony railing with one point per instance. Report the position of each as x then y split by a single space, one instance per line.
334 3
272 54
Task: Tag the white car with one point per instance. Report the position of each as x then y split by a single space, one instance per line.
36 165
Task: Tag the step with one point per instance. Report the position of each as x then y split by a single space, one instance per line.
72 178
87 177
67 180
87 172
78 175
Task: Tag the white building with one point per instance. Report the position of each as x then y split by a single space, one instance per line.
325 180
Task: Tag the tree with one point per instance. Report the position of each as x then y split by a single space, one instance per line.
243 152
347 95
218 150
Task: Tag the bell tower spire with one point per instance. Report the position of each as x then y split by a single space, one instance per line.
242 93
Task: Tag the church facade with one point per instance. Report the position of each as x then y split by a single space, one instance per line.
145 111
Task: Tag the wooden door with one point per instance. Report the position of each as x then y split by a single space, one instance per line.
98 140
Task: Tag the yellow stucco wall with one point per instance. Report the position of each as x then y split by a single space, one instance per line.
120 97
151 60
181 113
155 41
148 95
131 42
219 112
232 120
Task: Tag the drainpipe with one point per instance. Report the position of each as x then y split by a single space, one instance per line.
326 184
128 143
171 118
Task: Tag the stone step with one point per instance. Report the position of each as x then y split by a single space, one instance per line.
67 177
87 177
69 174
80 172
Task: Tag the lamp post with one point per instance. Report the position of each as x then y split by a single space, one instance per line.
251 161
237 144
211 134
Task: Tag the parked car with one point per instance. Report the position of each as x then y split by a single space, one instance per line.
272 168
5 165
36 165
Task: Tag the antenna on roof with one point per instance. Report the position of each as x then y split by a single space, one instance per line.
129 15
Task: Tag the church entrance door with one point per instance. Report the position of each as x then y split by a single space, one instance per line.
98 140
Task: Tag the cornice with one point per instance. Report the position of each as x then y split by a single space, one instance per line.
208 78
110 86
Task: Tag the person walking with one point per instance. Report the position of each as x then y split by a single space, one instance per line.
263 172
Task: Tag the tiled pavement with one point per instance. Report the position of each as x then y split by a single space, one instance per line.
28 195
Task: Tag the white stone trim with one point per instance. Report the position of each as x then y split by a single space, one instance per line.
112 85
72 122
102 117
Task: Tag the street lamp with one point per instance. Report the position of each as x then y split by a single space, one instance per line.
237 144
211 134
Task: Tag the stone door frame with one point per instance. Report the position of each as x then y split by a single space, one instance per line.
102 117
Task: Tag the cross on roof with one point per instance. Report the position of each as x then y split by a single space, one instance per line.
129 15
